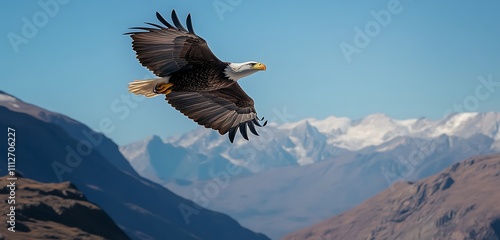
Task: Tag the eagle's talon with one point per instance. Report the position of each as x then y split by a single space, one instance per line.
163 88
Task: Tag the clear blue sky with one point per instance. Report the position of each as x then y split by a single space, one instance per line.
425 59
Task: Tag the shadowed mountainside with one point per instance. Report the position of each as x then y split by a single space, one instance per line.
46 152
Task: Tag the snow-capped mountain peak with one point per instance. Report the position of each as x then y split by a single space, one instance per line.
8 100
332 125
311 140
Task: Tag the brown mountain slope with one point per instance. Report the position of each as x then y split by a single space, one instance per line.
54 211
461 202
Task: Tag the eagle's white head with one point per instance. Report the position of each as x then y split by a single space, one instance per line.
235 71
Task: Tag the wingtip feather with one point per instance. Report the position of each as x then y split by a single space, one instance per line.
177 23
243 130
252 128
162 20
232 133
154 25
190 24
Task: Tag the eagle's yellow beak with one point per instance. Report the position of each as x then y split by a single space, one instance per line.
259 66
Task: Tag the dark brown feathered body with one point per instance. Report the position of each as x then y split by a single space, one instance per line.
201 90
206 76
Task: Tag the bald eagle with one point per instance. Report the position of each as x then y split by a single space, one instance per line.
193 80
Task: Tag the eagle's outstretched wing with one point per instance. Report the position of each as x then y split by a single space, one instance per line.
167 49
226 109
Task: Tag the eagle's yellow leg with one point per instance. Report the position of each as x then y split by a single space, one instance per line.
164 88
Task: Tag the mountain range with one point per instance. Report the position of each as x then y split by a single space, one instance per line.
460 202
52 148
301 143
297 174
292 176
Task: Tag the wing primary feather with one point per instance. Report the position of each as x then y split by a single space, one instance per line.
243 130
232 133
256 122
142 28
162 20
189 24
262 119
226 125
177 23
154 25
252 128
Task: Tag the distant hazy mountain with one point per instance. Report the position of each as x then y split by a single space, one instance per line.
297 174
300 143
55 211
461 202
48 152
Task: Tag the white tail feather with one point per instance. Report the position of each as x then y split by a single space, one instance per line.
145 87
